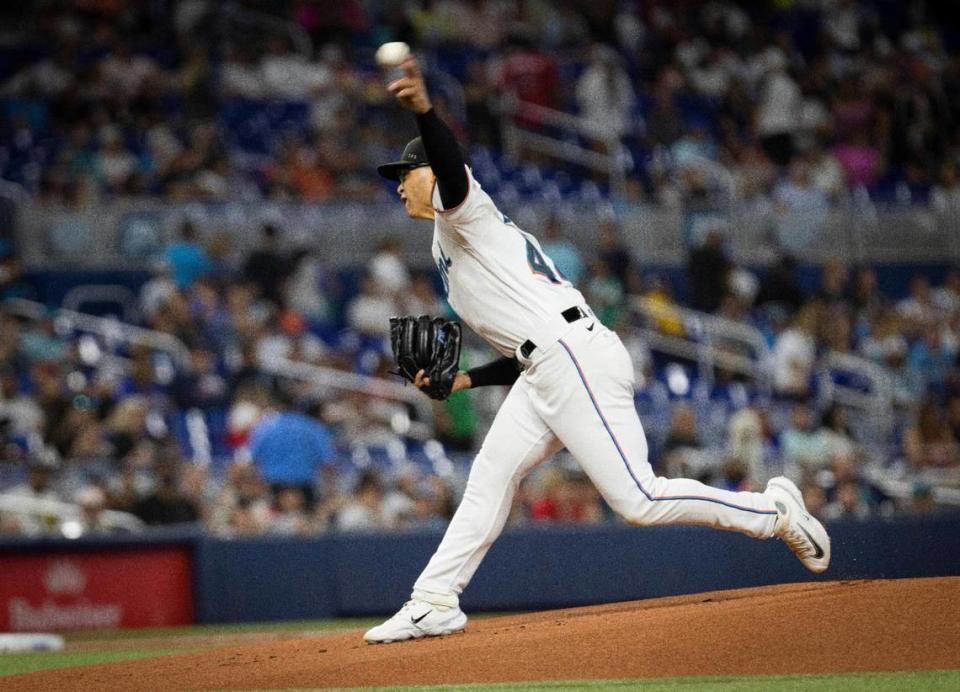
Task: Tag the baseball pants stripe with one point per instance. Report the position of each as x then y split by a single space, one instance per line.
626 463
576 394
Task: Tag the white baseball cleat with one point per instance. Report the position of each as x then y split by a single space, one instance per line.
805 536
418 619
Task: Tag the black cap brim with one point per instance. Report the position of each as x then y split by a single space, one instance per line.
391 171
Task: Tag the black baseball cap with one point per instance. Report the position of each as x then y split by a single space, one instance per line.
413 156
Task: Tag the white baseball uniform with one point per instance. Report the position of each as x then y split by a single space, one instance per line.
576 391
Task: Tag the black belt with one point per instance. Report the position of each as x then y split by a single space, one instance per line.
570 315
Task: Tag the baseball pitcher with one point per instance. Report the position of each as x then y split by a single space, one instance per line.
572 385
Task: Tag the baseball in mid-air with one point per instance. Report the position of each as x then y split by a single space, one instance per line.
392 54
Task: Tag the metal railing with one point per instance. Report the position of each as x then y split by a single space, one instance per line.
516 137
903 489
113 331
320 377
233 12
21 505
103 293
710 341
317 377
876 397
715 342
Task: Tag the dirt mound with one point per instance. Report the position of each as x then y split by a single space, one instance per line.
908 624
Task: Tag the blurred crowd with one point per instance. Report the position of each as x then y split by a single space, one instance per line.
787 107
794 102
225 436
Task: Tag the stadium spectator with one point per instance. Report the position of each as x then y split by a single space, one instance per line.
565 255
290 516
312 288
186 258
605 293
682 453
199 385
794 353
567 497
530 75
125 429
11 273
802 209
815 498
918 309
836 432
20 416
433 507
752 440
388 269
364 510
615 253
931 358
605 95
370 310
666 318
947 296
243 505
167 504
240 75
834 284
479 93
267 267
868 300
93 502
779 108
422 299
826 172
953 415
848 503
805 448
908 385
289 448
49 77
39 485
779 288
115 164
860 159
708 270
945 196
930 442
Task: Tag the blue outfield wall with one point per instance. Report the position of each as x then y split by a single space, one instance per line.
274 578
277 578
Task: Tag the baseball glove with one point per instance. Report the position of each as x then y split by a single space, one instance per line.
431 344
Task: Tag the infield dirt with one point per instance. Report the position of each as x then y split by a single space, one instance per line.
824 627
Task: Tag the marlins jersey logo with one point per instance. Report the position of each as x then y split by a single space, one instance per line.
443 266
497 277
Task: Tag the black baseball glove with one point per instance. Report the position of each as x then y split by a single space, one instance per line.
431 344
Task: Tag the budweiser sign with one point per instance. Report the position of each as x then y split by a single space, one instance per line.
93 590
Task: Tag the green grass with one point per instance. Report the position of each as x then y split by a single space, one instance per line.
14 664
232 629
932 681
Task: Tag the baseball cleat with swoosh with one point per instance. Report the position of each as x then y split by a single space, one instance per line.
805 536
418 619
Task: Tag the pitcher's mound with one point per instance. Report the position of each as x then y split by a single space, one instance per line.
825 627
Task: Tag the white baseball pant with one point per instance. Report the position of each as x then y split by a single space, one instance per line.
576 392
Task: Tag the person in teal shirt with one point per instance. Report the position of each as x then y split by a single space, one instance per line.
186 258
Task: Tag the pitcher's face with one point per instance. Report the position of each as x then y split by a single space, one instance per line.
416 192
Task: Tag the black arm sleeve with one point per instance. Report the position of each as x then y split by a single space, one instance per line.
502 371
445 158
